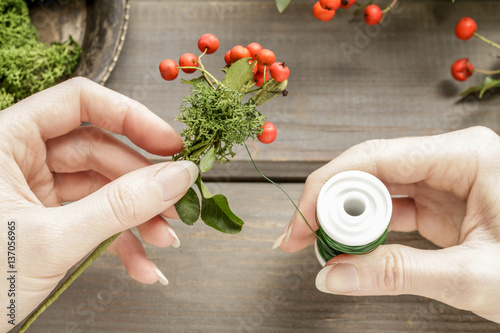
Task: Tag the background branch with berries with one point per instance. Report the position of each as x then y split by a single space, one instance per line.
462 69
221 114
324 10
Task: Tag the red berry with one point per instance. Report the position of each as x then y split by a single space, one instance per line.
259 78
208 42
265 57
168 69
462 69
227 58
254 48
330 4
465 28
279 71
188 59
321 13
239 52
373 14
346 3
268 134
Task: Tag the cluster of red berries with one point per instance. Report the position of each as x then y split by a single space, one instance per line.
324 10
188 62
462 69
266 67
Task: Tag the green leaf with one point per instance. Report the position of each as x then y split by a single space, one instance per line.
195 82
282 4
488 83
207 161
188 207
216 213
205 193
270 90
470 90
239 75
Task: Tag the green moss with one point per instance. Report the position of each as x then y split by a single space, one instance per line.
27 65
216 118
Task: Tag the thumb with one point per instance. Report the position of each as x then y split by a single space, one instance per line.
128 201
443 275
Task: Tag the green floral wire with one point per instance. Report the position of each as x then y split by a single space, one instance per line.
327 247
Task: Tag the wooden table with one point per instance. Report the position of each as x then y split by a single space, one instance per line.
396 82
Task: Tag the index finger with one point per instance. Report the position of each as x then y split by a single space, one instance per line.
446 162
60 109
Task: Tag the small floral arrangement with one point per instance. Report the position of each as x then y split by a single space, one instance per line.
221 114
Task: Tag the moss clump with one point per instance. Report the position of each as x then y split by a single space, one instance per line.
27 65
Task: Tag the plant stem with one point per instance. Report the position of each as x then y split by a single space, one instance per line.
386 10
487 72
484 39
90 259
205 72
393 3
253 90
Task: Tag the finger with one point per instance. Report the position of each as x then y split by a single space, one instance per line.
444 275
74 186
90 148
124 203
171 213
131 252
58 110
437 160
403 219
158 232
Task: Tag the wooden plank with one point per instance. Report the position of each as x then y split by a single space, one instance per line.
224 283
398 84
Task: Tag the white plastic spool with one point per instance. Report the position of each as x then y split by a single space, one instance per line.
354 208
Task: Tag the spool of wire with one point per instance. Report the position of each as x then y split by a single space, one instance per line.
353 212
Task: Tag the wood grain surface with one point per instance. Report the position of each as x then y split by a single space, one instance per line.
224 283
395 83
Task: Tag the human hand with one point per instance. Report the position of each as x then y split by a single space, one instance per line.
453 188
47 158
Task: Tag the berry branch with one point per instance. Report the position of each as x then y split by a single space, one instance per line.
462 69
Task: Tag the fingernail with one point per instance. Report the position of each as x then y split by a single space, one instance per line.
338 279
161 278
176 242
279 240
282 236
176 178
